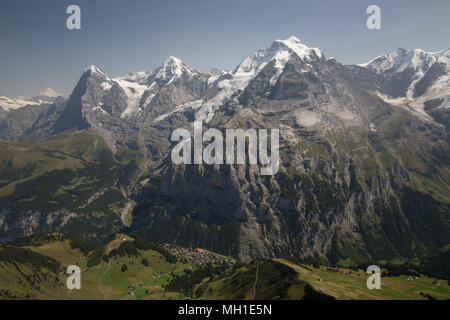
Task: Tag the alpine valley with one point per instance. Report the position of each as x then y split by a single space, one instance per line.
364 158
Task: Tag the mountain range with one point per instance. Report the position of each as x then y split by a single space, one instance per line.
364 157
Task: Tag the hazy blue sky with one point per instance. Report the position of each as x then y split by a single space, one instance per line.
37 50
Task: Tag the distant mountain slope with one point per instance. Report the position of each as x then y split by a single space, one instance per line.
71 182
364 172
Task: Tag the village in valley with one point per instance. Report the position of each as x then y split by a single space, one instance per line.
197 256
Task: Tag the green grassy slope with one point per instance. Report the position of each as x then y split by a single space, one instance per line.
260 280
31 279
34 268
344 283
75 173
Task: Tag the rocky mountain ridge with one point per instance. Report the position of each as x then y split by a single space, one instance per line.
364 152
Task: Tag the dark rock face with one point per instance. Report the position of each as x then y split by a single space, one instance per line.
71 116
363 174
436 71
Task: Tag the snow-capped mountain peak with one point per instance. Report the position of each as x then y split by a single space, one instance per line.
416 63
172 68
402 59
277 54
93 69
294 44
423 75
280 52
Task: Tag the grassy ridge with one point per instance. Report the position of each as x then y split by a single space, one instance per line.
260 280
348 284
